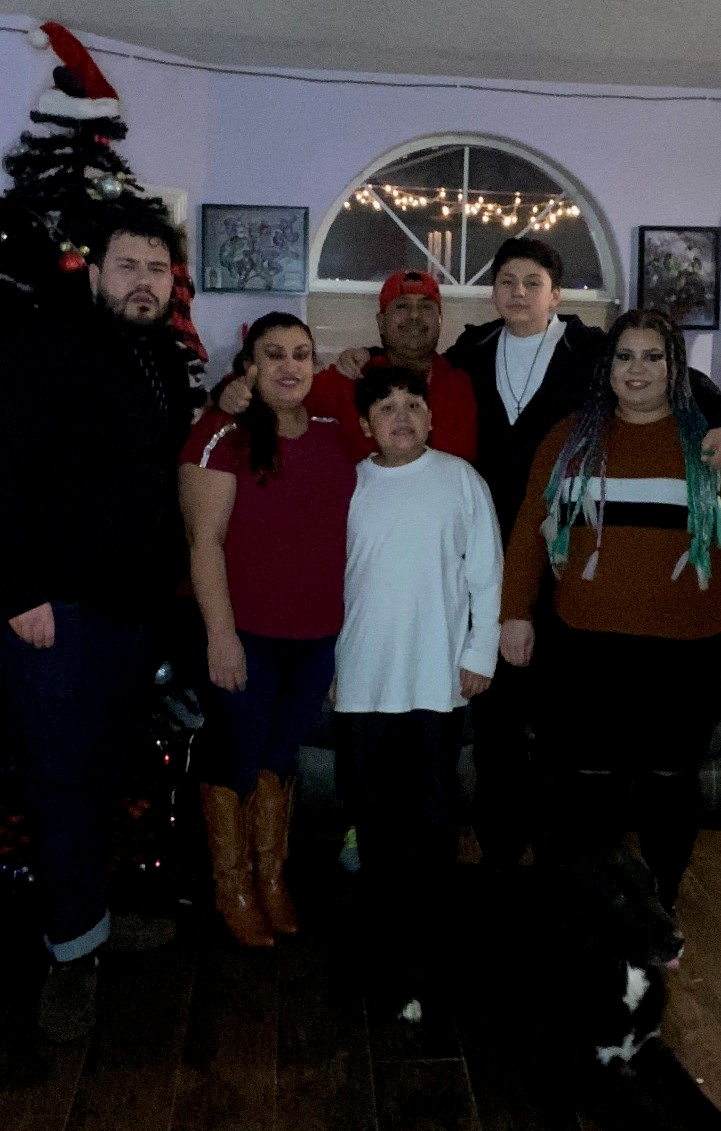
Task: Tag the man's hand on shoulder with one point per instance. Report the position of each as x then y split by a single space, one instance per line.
352 362
235 397
36 626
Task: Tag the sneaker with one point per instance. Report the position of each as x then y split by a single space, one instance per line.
349 858
67 1003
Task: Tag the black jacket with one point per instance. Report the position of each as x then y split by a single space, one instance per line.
506 451
88 452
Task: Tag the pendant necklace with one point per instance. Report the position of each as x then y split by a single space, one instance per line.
518 401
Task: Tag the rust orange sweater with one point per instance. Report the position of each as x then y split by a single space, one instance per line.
632 591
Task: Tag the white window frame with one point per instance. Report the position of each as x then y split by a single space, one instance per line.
571 188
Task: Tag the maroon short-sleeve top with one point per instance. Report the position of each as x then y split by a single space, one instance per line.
285 546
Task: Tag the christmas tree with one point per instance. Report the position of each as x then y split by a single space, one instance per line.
68 171
68 176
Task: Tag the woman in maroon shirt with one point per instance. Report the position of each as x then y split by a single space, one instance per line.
265 497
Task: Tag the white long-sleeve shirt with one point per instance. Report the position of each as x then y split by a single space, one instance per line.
424 563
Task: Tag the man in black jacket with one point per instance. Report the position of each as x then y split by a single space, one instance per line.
529 369
92 415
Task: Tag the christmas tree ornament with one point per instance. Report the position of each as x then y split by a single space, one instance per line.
71 261
110 187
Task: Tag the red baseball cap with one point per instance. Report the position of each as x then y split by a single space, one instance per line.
408 283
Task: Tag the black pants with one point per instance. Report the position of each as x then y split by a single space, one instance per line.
628 722
509 802
503 805
401 772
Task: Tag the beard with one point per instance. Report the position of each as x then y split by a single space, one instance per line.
120 309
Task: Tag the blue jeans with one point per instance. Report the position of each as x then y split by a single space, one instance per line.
262 727
78 705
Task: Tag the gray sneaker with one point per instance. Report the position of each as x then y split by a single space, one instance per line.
67 1003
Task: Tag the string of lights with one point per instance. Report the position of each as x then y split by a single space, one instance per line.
537 211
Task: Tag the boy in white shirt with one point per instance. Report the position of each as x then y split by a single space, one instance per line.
420 637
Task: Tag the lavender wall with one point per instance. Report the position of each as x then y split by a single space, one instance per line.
251 139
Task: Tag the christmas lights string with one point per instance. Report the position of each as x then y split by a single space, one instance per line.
404 84
534 211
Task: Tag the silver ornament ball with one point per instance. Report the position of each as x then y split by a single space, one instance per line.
110 187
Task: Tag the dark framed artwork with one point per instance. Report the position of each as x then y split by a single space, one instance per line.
678 272
254 247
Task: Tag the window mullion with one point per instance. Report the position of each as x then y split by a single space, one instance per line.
529 227
411 235
464 213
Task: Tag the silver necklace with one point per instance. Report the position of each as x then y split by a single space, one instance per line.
518 401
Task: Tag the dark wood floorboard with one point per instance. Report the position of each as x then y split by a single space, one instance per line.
228 1074
692 1025
324 1068
202 1035
418 1095
129 1076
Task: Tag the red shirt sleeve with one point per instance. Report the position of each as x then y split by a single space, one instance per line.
212 443
332 394
454 411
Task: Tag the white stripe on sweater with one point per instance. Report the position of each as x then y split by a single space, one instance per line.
662 490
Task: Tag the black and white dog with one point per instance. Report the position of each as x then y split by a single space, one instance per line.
569 1021
621 939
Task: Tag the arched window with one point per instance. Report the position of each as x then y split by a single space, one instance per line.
444 205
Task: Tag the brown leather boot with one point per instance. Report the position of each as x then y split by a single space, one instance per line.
229 825
272 823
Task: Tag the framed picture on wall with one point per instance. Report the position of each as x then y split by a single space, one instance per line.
678 272
254 247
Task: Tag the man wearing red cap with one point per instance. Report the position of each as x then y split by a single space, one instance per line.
409 323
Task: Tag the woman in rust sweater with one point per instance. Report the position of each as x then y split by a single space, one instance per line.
622 502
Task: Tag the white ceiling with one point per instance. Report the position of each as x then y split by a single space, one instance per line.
657 42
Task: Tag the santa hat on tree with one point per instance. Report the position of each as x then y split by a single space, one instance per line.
81 89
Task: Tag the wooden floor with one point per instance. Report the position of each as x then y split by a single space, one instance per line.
201 1035
693 1017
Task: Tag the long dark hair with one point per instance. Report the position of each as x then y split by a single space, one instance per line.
259 423
583 455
